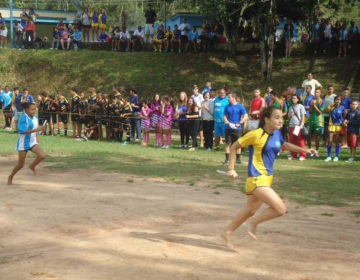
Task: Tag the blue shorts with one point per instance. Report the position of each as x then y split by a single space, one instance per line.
219 128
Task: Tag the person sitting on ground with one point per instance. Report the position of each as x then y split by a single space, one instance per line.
138 37
55 39
193 39
159 39
77 36
65 38
115 39
125 39
167 38
176 38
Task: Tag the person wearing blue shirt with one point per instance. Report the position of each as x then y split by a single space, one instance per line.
346 99
336 120
264 144
235 116
135 121
193 38
77 38
28 128
220 102
20 100
6 99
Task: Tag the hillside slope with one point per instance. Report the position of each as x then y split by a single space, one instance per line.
165 73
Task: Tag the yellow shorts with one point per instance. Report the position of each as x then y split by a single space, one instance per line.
102 26
94 24
335 128
254 182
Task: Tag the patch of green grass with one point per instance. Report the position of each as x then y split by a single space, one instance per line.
356 213
312 182
164 73
327 214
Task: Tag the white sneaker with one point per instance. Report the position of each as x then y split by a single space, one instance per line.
302 158
327 159
336 159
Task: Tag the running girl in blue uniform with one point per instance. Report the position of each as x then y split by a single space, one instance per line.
28 129
264 143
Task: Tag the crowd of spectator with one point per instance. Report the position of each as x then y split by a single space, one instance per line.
211 116
93 26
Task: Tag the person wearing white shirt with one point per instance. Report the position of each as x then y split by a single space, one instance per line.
125 39
19 30
311 82
184 28
199 99
138 37
116 39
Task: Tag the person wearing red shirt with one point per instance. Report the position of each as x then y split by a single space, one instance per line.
256 107
30 33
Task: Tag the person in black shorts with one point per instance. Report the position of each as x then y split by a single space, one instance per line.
53 111
44 111
75 117
63 112
83 111
235 116
91 105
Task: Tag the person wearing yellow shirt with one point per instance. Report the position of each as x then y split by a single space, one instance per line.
167 38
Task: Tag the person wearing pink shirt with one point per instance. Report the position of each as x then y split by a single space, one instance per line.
145 122
155 108
166 119
65 38
30 33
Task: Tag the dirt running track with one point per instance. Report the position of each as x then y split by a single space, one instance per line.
87 225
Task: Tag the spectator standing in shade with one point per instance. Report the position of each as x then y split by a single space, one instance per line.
184 28
135 121
86 24
343 40
150 17
30 33
311 82
19 31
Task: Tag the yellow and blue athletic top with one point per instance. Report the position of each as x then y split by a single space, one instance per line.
263 148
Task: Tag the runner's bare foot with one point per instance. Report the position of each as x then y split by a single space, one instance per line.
10 178
34 171
227 237
251 229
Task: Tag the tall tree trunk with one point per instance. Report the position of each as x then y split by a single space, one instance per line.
267 33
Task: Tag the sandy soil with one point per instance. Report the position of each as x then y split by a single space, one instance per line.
88 225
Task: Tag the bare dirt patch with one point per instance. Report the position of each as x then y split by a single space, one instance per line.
89 225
